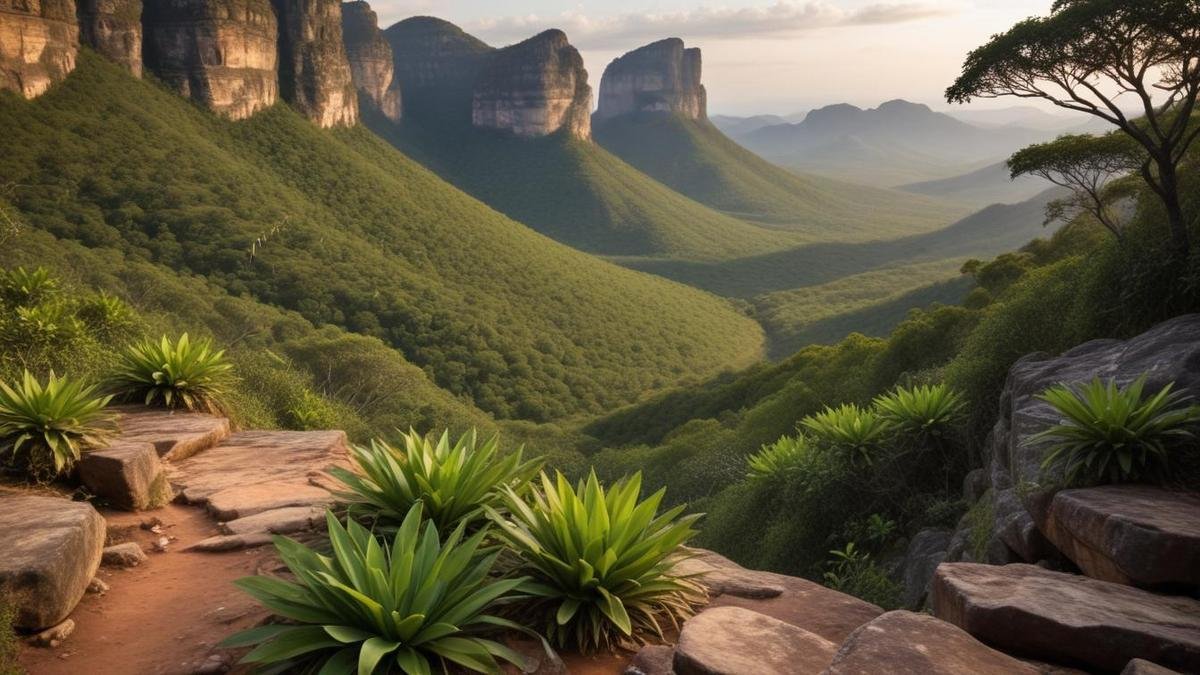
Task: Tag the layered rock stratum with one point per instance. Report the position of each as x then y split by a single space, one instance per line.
370 55
39 42
220 53
534 88
662 77
114 29
314 72
432 53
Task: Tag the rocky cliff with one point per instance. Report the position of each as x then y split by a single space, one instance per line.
39 40
113 28
662 77
220 53
314 73
534 88
370 57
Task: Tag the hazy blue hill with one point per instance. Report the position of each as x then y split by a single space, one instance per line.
736 126
990 185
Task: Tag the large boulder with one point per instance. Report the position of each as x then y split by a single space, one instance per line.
736 641
314 72
51 551
535 88
663 78
114 29
925 552
1067 618
128 475
174 434
39 42
904 643
370 57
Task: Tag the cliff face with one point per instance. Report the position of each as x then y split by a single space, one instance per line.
535 88
113 28
220 53
370 57
39 40
314 73
661 77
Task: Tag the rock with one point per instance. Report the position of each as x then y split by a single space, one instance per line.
160 545
128 554
925 552
904 643
230 542
220 53
215 664
662 77
1129 534
1067 618
54 636
52 550
975 484
278 521
39 42
736 641
174 434
128 475
97 586
652 660
314 72
723 576
114 29
535 88
370 56
1144 667
436 66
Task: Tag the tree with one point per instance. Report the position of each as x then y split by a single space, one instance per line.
1092 167
1088 54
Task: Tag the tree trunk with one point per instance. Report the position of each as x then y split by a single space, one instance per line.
1170 196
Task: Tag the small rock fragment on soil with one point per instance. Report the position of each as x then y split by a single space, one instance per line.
97 585
54 636
128 554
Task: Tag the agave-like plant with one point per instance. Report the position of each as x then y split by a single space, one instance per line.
367 608
454 481
185 374
50 426
26 288
779 458
922 412
1114 434
856 432
600 561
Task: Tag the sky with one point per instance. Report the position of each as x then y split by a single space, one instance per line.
762 56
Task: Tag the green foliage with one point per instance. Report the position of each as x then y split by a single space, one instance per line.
1114 434
858 434
183 374
455 482
922 412
852 571
409 607
600 561
8 638
779 458
47 427
27 288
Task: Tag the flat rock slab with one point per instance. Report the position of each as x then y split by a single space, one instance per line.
278 521
720 575
128 475
50 552
257 471
174 434
904 643
737 641
1144 667
1129 534
1067 618
652 660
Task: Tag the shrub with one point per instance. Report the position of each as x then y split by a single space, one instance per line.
855 432
600 561
185 374
48 427
8 638
923 412
26 288
417 603
1114 434
455 482
107 316
779 458
852 571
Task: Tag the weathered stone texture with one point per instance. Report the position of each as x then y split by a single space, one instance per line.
663 77
314 72
535 88
114 29
370 55
39 43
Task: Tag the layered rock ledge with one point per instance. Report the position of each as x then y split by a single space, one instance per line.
535 88
370 55
114 29
39 42
314 72
662 77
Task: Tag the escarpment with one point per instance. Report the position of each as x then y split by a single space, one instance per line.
663 77
534 88
114 29
370 56
39 41
314 73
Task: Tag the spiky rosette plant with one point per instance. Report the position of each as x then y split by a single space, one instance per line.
923 412
46 428
410 607
182 374
778 459
857 433
600 562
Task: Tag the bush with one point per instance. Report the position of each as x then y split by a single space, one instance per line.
418 603
26 288
1112 434
185 374
47 428
779 458
856 433
922 412
600 561
852 571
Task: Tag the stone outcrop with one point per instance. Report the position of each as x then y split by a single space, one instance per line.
736 641
39 43
431 52
663 77
370 56
51 550
220 53
534 88
175 435
314 72
1067 618
126 475
114 29
925 552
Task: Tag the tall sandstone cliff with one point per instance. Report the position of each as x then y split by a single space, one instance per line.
370 57
535 88
220 53
114 29
662 77
39 41
314 72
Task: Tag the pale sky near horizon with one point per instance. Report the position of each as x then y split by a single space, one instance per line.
762 56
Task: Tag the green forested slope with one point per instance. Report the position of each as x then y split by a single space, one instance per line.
350 232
